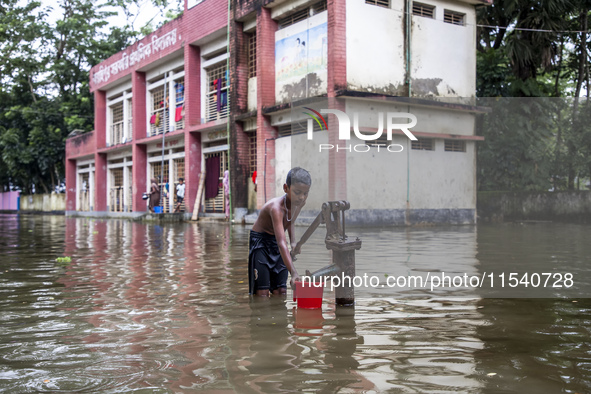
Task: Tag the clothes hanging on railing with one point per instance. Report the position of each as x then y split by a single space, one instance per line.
212 179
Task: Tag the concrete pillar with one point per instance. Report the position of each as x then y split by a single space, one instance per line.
71 185
266 28
138 151
140 163
192 168
100 159
192 86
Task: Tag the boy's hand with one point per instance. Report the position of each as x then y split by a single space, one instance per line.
295 277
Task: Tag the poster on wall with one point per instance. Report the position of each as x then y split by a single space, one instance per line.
300 61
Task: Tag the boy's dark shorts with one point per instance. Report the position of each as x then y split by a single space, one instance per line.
266 270
266 278
179 200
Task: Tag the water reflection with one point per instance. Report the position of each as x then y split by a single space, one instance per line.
165 309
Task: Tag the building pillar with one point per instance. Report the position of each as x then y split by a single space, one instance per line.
138 171
100 159
336 80
192 86
266 28
100 182
71 185
192 118
139 155
337 46
192 168
239 142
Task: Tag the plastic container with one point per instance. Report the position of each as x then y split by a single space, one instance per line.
157 209
308 295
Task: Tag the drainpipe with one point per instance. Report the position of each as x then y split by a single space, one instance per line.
229 113
408 24
164 129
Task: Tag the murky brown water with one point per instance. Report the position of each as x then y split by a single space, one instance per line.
162 309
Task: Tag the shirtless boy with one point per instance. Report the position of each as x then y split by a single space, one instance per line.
269 259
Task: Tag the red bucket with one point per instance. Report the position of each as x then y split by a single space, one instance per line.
309 294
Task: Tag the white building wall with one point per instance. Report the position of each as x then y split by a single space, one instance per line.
442 180
375 47
443 55
443 58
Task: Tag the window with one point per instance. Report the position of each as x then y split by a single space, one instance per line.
420 9
381 3
218 103
296 128
157 113
160 172
455 146
455 18
423 144
178 172
304 14
252 55
179 93
129 119
116 129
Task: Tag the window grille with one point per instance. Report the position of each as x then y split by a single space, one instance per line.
217 73
380 3
178 172
157 122
252 153
319 7
425 10
217 204
116 194
252 55
296 128
129 120
117 124
162 183
455 146
423 144
179 117
304 14
455 18
130 190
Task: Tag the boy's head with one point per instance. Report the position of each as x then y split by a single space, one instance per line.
181 180
298 175
297 185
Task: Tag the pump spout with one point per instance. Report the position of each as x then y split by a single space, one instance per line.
329 270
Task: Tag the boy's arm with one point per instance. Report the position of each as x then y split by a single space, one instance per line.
279 230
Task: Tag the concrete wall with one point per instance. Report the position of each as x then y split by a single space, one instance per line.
443 60
442 56
44 202
9 201
375 48
573 206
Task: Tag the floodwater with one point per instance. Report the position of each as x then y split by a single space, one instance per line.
144 308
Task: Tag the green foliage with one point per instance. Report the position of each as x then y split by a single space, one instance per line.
538 52
45 84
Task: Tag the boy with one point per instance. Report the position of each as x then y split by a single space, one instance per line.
269 260
180 194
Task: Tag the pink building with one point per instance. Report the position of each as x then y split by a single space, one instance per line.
196 97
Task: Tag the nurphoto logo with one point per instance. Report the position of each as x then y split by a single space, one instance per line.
345 129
